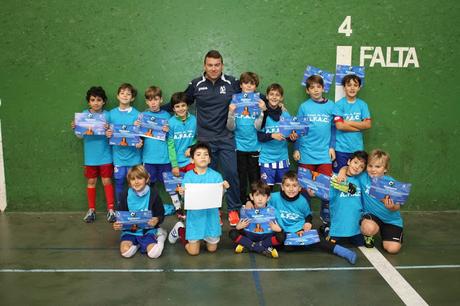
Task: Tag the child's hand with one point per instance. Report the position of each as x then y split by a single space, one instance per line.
284 109
154 221
139 144
226 185
180 190
117 225
278 136
293 136
165 128
307 226
389 204
299 233
187 152
262 105
137 122
243 223
332 154
274 226
231 108
109 133
311 192
342 175
249 205
72 124
175 171
296 155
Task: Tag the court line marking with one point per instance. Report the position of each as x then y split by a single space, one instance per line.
394 279
319 269
257 282
3 203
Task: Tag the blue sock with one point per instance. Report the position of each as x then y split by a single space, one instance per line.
345 253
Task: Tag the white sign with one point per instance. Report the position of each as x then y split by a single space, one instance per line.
203 196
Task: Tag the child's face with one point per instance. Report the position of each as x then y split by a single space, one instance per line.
355 166
138 183
315 91
201 158
248 87
291 187
260 200
376 167
125 97
96 103
180 109
154 103
274 98
351 89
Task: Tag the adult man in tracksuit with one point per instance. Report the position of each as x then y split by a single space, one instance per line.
212 93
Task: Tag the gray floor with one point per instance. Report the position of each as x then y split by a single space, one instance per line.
62 241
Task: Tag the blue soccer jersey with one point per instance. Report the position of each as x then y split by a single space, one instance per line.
314 147
246 133
345 210
138 203
155 151
202 223
183 134
273 150
374 206
96 148
290 215
125 156
349 142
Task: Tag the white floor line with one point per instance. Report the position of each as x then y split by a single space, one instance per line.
108 270
399 285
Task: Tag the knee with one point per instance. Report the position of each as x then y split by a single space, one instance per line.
192 249
369 228
106 181
391 247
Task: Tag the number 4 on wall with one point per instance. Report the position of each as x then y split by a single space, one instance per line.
345 27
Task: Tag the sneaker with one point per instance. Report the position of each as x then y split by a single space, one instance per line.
271 252
324 214
240 249
369 241
233 217
180 214
111 217
90 216
174 233
324 230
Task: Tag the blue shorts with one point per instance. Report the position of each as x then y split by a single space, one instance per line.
142 241
272 176
120 172
156 171
202 223
341 160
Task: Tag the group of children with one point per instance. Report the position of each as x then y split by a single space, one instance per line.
334 142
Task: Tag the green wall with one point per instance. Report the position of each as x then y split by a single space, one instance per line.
53 51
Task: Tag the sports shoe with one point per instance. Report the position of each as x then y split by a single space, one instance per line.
240 249
369 241
324 230
174 233
324 213
271 252
180 214
90 216
111 217
233 217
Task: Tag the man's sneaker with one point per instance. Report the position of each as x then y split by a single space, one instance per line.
90 216
111 217
233 217
240 249
271 252
174 233
369 241
180 213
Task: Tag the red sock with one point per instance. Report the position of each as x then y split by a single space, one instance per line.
108 190
181 231
91 193
275 241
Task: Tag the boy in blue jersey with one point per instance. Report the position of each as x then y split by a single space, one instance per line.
379 217
98 158
293 214
155 155
262 243
274 156
141 196
124 157
315 151
247 145
353 116
347 208
201 224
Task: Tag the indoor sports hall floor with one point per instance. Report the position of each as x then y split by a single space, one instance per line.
56 259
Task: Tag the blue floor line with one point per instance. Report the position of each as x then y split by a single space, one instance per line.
257 283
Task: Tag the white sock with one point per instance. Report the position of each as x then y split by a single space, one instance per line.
130 252
156 251
175 200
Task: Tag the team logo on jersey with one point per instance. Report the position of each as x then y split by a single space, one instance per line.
202 88
152 119
223 90
90 116
133 214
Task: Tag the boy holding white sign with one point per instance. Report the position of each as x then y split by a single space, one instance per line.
202 221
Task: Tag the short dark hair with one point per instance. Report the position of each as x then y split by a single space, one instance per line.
200 145
96 91
213 54
276 87
178 97
359 155
312 79
248 77
128 86
260 188
290 175
152 92
346 79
